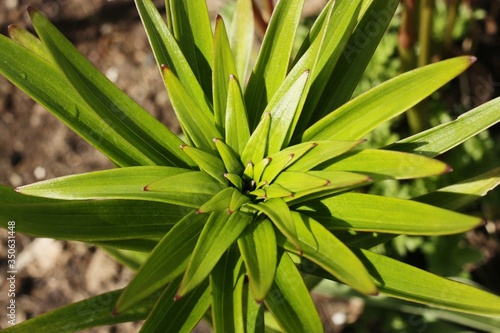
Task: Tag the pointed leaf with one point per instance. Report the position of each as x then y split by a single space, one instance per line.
385 101
237 131
461 194
167 52
300 181
279 213
430 143
237 201
31 42
242 31
321 247
88 220
272 63
259 169
229 157
383 164
178 316
207 162
323 151
282 108
364 212
258 249
134 123
234 179
289 300
190 24
167 261
220 201
277 191
223 68
355 56
255 148
80 316
196 123
41 81
403 281
223 282
217 236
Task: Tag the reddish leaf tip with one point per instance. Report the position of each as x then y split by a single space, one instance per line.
114 313
198 211
472 59
164 67
182 146
328 183
177 297
232 77
314 144
215 140
483 223
145 188
447 169
32 11
230 211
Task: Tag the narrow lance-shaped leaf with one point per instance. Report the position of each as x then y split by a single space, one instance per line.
355 56
320 246
167 52
223 68
289 300
256 147
221 230
385 101
383 164
396 279
242 31
190 24
237 130
282 108
259 251
157 142
80 316
272 63
42 81
31 42
178 316
197 125
461 194
207 162
223 282
220 201
365 212
167 261
231 160
431 143
87 220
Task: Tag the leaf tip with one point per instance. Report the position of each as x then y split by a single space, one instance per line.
177 297
198 212
447 169
472 59
182 146
483 222
232 77
145 188
32 11
114 313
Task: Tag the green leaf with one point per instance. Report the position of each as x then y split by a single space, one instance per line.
442 138
223 281
323 151
255 148
272 63
383 164
242 31
207 162
196 123
79 316
229 157
237 131
321 247
167 52
220 201
289 300
258 250
282 108
221 230
385 101
25 38
128 258
461 194
136 125
41 81
355 56
167 261
87 220
141 183
190 24
279 213
181 315
299 181
235 180
365 212
223 68
134 244
396 279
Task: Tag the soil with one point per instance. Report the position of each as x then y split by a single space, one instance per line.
34 146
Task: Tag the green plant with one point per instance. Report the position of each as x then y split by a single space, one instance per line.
268 184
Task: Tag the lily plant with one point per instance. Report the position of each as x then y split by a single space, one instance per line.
265 192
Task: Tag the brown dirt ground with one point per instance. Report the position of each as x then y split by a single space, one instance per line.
34 145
